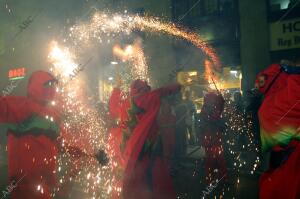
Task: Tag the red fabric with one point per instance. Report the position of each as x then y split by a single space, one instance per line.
118 111
135 184
147 125
214 154
138 87
280 108
284 181
212 136
30 158
213 106
280 121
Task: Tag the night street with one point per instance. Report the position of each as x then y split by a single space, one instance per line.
149 99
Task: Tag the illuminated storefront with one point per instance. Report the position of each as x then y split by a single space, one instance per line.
17 73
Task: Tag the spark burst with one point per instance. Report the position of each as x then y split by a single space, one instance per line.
104 24
82 123
82 128
135 55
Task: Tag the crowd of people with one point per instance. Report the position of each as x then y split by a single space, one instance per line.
151 130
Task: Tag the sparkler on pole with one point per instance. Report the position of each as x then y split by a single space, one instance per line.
212 79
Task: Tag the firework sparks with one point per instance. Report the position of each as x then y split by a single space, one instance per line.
82 124
103 24
135 55
82 128
211 77
62 59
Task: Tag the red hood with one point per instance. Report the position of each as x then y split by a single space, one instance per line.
139 87
36 88
270 73
213 106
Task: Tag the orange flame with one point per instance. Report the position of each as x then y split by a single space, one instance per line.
211 77
135 55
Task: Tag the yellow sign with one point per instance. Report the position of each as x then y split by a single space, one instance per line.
185 78
285 34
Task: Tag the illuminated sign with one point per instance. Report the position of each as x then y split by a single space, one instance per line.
285 34
17 73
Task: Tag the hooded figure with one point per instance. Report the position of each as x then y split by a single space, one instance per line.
212 128
145 171
33 135
279 117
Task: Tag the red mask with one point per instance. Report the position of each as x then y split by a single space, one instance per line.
41 87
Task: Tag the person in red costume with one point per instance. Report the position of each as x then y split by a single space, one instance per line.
212 128
33 138
279 117
145 171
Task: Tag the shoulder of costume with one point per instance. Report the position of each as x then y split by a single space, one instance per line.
290 69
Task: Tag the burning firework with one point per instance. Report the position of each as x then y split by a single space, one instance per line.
211 77
62 59
135 55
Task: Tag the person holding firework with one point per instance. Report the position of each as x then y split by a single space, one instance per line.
34 137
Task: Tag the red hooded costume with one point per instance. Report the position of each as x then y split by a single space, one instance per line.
212 127
146 174
279 117
33 132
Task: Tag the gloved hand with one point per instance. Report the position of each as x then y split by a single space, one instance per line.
102 158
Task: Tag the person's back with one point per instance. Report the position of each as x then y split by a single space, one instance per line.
279 121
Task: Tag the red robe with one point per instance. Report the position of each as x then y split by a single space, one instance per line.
31 146
33 134
145 176
279 117
117 109
211 125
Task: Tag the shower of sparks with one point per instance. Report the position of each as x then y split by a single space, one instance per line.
83 128
62 59
240 143
103 24
83 125
211 77
135 55
240 137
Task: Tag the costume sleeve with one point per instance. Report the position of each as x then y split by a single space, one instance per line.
115 103
168 90
13 109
